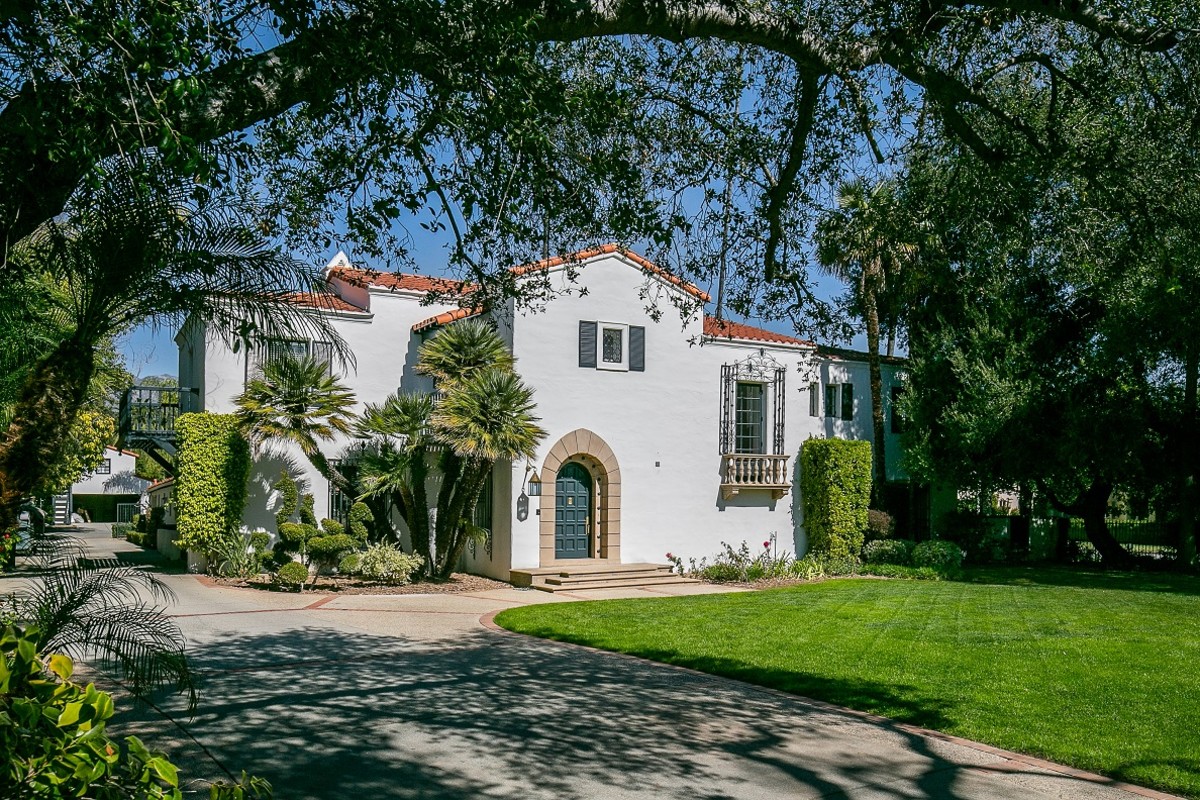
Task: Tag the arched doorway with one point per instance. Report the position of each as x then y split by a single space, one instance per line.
572 512
586 459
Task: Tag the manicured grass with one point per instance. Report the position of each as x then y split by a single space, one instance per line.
1098 671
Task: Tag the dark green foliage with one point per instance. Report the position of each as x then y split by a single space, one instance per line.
293 573
260 541
350 564
138 521
213 465
294 536
359 518
984 539
121 530
945 556
888 551
289 498
156 517
332 527
835 484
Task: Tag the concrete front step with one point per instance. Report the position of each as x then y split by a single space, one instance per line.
597 576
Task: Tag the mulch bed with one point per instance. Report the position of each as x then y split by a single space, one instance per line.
458 583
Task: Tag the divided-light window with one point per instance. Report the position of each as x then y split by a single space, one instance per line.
749 422
612 346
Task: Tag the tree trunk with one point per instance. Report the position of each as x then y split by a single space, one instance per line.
471 486
46 408
1189 532
1094 505
878 450
452 469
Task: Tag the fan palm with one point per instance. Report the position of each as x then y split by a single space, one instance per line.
863 244
460 349
112 615
139 244
294 399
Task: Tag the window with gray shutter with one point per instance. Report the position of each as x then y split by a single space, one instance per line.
587 344
637 348
814 399
847 401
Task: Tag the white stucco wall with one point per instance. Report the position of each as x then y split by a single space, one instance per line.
120 478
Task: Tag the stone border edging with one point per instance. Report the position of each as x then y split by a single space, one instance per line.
488 621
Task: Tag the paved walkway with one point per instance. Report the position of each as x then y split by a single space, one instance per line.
415 697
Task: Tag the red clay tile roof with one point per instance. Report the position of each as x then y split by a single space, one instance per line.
644 263
326 302
724 329
396 281
445 318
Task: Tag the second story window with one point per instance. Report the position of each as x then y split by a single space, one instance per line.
749 418
613 346
104 467
321 352
752 412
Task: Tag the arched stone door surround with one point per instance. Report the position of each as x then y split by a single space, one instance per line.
586 448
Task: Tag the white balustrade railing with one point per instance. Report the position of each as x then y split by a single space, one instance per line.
754 471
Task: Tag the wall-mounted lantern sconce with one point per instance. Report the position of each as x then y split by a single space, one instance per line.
535 485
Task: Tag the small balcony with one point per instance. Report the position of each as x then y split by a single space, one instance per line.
750 471
147 420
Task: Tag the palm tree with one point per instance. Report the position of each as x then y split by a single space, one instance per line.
864 243
294 399
136 243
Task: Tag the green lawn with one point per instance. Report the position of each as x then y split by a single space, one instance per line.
1098 671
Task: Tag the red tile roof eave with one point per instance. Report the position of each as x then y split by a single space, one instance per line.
445 318
326 302
739 332
396 281
606 249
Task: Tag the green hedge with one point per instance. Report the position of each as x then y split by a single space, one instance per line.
835 486
213 466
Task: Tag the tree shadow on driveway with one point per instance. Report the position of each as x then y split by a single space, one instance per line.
326 713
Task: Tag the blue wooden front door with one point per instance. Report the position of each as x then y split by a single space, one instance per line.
572 511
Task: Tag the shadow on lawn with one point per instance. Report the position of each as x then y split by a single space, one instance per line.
324 713
1085 578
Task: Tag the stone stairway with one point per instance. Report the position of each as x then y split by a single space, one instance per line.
597 576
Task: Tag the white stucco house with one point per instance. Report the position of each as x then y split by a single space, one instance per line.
111 492
669 430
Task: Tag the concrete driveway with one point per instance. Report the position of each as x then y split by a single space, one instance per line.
415 697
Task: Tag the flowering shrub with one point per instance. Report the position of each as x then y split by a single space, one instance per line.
388 564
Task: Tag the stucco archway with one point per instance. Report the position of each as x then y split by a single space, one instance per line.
588 449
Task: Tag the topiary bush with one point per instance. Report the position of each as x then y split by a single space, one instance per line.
350 564
888 551
260 541
387 563
332 527
294 537
835 485
289 498
306 513
213 466
940 555
325 551
293 573
360 517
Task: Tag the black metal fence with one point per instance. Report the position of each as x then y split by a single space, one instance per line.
149 410
1158 540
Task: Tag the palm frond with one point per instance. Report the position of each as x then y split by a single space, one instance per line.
295 400
110 615
489 415
461 349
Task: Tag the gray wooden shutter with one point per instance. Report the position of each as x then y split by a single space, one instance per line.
814 399
778 410
637 348
587 344
847 401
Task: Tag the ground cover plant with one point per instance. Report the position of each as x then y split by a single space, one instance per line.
1095 670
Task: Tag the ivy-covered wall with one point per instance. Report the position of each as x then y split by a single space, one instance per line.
213 465
835 485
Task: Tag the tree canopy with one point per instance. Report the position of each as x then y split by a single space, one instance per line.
524 126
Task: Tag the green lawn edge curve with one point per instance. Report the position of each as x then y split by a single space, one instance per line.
1099 671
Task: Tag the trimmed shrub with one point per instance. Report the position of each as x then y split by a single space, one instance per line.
880 525
350 564
325 551
121 530
289 498
835 485
387 563
332 527
898 571
260 541
888 551
940 555
213 464
138 522
359 517
157 515
294 536
293 573
307 515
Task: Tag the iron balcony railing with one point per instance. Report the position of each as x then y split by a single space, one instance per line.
149 411
742 471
